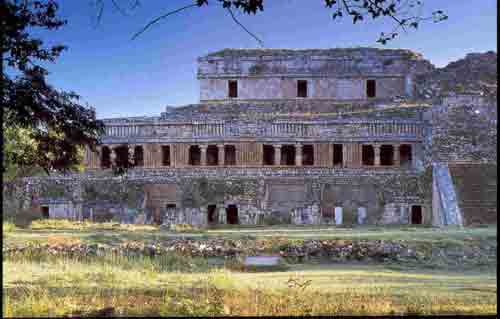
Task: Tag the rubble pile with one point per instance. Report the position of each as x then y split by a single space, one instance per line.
335 250
477 72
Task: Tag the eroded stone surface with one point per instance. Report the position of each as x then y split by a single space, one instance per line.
206 163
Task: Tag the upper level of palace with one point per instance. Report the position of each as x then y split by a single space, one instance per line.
276 107
330 74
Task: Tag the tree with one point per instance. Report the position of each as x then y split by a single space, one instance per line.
404 14
44 127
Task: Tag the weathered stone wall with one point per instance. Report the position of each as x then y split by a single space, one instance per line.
476 189
274 88
464 132
364 199
476 73
338 74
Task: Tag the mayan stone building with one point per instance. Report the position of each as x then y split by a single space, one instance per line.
323 136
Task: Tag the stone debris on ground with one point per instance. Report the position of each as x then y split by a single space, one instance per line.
335 250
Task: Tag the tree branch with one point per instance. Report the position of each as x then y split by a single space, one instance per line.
243 27
161 17
119 8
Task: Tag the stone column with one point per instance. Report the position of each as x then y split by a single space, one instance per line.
220 148
146 153
277 154
203 159
221 213
414 155
237 151
338 215
409 86
131 154
396 155
112 156
298 155
376 149
345 153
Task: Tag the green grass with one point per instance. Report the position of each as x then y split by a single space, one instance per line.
8 227
110 233
379 289
47 285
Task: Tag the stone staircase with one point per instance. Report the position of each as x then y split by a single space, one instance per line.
449 210
476 190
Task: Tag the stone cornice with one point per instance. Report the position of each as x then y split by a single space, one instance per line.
167 173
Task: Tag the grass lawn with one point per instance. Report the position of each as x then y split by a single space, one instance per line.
114 233
177 285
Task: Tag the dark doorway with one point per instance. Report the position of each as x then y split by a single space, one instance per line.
368 155
301 88
212 217
308 155
405 155
288 155
328 213
105 157
157 216
232 214
387 155
212 155
122 157
194 155
233 88
138 156
338 157
165 155
371 88
170 212
45 212
416 214
229 155
268 155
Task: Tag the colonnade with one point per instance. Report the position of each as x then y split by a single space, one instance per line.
282 154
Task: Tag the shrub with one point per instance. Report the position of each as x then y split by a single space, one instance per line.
183 228
56 224
8 227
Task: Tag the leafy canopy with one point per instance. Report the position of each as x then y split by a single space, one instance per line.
44 127
404 14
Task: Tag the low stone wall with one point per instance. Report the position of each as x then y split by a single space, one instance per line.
333 250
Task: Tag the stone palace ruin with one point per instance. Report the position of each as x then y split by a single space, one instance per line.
321 136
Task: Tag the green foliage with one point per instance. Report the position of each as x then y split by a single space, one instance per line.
65 224
404 15
8 227
172 284
183 228
18 147
193 305
48 125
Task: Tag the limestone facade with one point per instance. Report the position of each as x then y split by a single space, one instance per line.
279 136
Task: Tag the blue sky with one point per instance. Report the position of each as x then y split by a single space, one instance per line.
121 77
